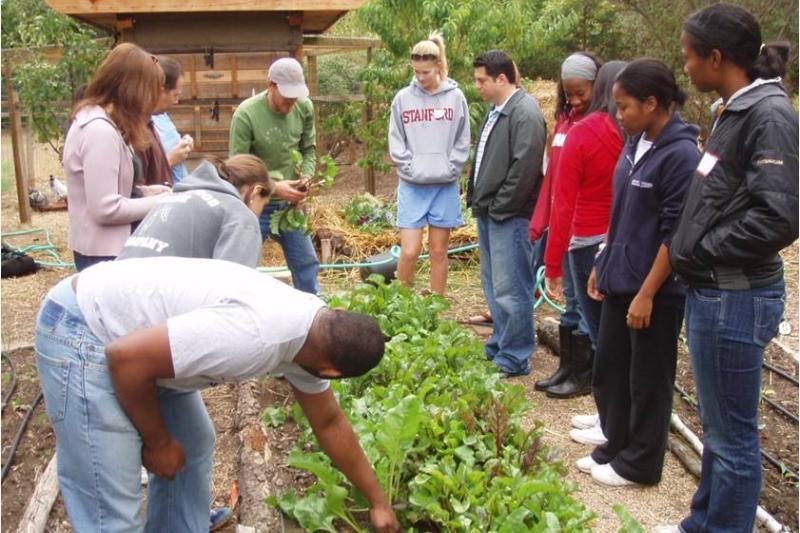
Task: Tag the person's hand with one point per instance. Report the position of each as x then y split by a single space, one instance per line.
639 312
554 288
164 458
179 153
591 287
383 519
153 190
289 191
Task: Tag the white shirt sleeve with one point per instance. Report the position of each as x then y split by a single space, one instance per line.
302 380
218 343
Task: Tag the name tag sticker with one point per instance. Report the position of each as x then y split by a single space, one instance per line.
707 164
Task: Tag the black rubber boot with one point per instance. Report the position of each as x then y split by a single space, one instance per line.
565 359
579 381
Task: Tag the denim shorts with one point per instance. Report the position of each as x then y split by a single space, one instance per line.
428 205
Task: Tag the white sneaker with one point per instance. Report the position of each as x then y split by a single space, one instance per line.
592 436
605 475
585 464
666 529
585 421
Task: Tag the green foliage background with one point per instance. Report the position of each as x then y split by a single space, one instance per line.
539 34
44 87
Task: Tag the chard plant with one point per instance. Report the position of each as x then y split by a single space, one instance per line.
442 431
294 218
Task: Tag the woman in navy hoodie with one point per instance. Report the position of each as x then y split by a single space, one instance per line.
642 308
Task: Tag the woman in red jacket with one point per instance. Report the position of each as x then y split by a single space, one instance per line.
578 73
579 218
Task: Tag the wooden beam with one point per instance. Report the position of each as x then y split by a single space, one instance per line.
34 520
353 43
89 7
313 90
234 76
30 156
369 171
16 138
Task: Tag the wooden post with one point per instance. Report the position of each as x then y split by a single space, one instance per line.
234 76
369 171
30 166
313 89
16 132
34 520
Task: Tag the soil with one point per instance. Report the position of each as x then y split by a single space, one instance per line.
38 441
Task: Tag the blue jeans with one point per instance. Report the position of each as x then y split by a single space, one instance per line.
99 451
571 317
581 263
727 332
507 281
301 258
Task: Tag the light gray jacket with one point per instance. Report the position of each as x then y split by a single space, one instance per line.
429 133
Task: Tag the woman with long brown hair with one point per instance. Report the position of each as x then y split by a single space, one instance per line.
108 125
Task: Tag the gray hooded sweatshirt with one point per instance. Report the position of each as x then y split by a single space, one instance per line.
206 218
429 133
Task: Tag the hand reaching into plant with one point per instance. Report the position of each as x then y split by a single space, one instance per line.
383 519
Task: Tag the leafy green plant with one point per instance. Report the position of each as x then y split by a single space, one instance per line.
441 429
293 218
629 524
45 85
274 416
369 214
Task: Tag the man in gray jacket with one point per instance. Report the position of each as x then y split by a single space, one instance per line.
502 191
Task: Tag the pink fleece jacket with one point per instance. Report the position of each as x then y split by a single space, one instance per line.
99 169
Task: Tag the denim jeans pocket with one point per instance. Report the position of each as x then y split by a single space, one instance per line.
54 378
708 295
768 314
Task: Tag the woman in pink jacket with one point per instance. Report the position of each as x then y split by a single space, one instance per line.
99 163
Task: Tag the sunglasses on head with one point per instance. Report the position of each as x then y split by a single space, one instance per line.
423 57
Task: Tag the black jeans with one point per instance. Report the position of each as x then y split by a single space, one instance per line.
634 375
82 262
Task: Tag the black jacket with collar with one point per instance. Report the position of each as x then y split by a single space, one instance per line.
510 175
741 208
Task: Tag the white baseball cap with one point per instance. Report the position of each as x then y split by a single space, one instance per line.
287 74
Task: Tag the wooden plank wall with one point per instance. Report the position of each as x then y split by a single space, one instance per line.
232 78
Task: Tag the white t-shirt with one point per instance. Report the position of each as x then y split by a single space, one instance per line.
226 322
641 148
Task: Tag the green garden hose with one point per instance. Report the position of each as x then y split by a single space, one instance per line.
48 248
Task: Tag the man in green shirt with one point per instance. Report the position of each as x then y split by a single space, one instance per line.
270 125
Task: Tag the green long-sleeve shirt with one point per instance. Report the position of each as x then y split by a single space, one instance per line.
256 129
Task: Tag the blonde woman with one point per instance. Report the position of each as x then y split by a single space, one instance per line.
429 143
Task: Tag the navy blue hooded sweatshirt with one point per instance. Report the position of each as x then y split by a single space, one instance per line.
648 197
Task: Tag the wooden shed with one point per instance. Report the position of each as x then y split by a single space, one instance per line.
225 47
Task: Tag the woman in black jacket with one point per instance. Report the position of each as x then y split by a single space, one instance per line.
740 211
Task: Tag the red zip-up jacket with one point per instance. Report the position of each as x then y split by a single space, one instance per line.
582 196
541 213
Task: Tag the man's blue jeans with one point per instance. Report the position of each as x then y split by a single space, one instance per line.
507 281
301 258
727 332
99 451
